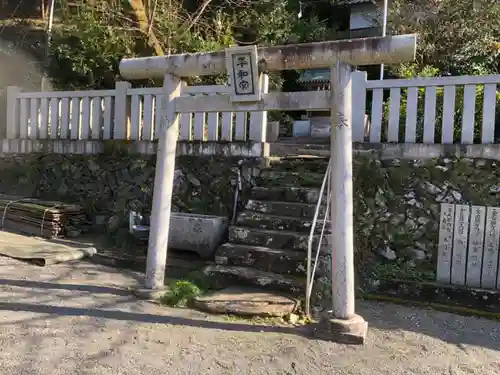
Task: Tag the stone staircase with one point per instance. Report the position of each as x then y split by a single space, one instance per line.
267 246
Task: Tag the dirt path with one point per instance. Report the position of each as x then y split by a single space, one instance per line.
78 319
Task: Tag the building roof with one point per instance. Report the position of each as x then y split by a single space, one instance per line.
314 76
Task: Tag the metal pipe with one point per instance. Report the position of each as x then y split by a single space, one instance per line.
48 39
311 234
318 250
384 33
238 188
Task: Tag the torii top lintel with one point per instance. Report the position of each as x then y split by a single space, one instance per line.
362 51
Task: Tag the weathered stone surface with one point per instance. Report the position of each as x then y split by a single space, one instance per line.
220 277
285 208
149 294
285 262
311 164
397 206
110 184
350 331
246 302
276 239
179 265
199 233
280 178
286 194
396 203
429 292
265 221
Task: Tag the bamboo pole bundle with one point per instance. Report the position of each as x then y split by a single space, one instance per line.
47 219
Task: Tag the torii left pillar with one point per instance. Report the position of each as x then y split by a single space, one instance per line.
163 185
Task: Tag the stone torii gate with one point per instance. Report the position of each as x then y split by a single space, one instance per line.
344 325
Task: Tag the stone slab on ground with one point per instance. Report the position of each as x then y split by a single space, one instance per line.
246 302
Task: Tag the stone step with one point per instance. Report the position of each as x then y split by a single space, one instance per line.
220 277
297 164
286 194
304 210
259 220
274 239
281 261
269 177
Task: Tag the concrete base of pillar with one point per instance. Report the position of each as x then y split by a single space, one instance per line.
149 294
351 331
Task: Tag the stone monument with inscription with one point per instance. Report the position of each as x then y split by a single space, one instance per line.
468 250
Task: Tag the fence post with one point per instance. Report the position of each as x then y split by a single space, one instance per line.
120 128
358 89
12 112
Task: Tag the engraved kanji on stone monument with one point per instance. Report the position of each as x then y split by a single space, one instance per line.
491 243
445 246
476 242
460 239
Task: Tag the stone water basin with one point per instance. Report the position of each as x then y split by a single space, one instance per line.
191 232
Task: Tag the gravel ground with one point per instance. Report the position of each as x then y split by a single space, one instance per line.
79 319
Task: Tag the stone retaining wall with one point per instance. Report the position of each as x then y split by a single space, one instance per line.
396 201
108 186
398 206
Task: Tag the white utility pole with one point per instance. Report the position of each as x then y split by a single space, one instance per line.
384 33
48 39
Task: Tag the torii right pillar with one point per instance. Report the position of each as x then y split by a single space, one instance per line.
343 325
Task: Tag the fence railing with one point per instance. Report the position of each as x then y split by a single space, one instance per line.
428 110
423 110
124 113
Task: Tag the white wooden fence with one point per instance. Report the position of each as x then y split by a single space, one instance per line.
428 110
469 239
124 113
423 110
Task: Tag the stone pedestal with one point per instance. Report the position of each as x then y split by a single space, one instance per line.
148 294
350 331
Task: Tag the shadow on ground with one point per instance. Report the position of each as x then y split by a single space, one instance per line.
454 329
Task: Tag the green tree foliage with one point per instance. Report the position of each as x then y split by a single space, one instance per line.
459 37
92 39
94 36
